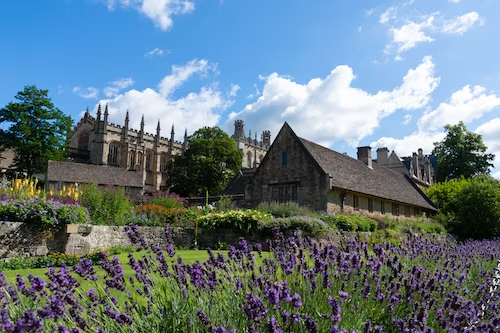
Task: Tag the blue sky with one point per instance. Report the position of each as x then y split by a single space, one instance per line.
342 73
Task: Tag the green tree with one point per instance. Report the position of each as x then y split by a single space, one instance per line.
461 153
468 208
210 162
37 130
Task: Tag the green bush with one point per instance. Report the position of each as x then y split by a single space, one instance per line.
42 213
224 204
50 260
285 209
106 205
234 219
311 225
168 200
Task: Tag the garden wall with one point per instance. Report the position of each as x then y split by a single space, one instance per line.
19 239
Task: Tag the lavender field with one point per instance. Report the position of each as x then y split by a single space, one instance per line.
304 286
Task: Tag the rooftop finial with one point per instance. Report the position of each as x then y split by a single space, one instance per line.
106 110
126 116
172 132
186 133
158 127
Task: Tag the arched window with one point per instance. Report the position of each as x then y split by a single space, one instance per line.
113 153
249 159
149 160
131 159
83 141
163 163
140 158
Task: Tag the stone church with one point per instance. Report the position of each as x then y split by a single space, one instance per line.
95 141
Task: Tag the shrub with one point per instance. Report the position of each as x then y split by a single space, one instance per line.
159 215
167 200
311 225
343 223
107 205
50 260
224 204
234 219
43 214
285 209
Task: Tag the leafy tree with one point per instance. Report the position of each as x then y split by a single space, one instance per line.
37 130
468 208
210 162
461 153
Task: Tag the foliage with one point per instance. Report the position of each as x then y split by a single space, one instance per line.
37 130
461 153
310 225
159 215
107 205
282 209
50 260
234 219
468 208
351 223
19 188
43 214
210 162
167 200
224 204
303 286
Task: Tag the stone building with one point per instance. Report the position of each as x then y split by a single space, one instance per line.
295 169
97 141
419 167
253 150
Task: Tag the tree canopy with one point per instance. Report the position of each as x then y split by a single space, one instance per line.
461 153
37 130
209 163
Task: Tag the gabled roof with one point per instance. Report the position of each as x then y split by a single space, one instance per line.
353 175
237 185
70 172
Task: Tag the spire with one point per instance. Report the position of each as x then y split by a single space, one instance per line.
184 144
106 114
142 123
106 111
172 132
186 133
87 112
126 120
99 112
158 126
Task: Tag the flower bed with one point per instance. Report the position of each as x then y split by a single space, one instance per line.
302 288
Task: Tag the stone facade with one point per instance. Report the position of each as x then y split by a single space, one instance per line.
253 150
295 169
288 174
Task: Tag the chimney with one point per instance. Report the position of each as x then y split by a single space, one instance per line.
365 155
383 156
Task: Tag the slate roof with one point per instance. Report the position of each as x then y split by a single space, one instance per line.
70 172
237 185
353 175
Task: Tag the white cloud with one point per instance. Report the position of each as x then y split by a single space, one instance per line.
159 11
115 86
409 35
461 24
87 93
407 119
234 90
466 104
156 52
193 111
410 143
491 138
388 15
330 109
257 91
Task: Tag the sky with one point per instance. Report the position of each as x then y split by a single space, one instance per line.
342 73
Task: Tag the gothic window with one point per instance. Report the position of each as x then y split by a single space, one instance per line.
149 160
83 141
132 159
249 159
140 158
163 163
113 153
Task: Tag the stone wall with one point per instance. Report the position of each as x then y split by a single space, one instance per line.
18 239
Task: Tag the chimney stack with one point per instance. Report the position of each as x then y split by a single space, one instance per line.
383 156
365 155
